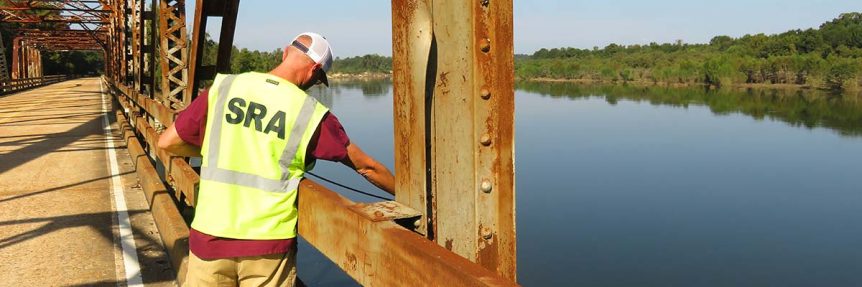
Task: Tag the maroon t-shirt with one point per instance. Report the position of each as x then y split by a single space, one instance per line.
328 143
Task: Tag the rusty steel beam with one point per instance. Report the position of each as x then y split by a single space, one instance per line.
412 47
143 26
17 59
198 72
26 59
173 52
64 43
180 175
137 34
4 70
2 8
62 39
117 30
381 253
34 11
149 48
64 21
159 111
457 165
97 36
89 15
141 46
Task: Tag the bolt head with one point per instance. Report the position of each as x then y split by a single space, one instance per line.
486 94
485 140
486 186
486 233
485 45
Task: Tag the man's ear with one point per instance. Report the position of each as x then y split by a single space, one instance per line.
284 53
314 69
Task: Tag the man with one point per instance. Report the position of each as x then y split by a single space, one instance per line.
258 133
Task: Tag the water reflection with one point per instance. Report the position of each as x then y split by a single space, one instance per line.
369 87
800 108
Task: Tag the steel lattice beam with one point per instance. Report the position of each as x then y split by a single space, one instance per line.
173 52
64 12
88 16
54 40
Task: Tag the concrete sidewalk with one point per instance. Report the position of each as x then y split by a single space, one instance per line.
58 219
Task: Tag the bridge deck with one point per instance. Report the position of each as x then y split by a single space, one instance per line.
59 223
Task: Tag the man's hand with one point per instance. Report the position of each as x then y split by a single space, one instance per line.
373 171
171 142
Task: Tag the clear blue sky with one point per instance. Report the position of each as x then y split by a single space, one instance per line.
364 27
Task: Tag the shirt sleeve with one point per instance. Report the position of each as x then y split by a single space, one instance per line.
330 142
191 122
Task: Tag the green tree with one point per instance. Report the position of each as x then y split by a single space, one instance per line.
721 42
840 73
718 71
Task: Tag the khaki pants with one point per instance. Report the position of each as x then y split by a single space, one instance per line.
267 270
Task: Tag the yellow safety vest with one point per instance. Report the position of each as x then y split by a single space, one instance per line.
258 129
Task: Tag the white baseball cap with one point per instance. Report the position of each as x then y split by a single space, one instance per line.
319 51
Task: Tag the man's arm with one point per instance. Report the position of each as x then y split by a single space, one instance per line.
171 142
192 124
373 171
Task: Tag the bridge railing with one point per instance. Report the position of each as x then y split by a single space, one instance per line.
363 239
16 85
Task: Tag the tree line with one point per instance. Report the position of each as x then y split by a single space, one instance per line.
826 57
245 60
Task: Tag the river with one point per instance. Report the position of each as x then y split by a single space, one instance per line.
627 186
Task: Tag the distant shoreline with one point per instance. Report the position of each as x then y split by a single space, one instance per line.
677 85
758 86
360 76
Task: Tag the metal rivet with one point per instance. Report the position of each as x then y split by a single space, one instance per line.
485 140
485 3
486 233
486 94
486 186
417 223
485 45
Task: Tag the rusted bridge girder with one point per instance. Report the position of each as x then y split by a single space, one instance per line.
4 69
26 60
174 54
453 63
68 12
55 40
52 25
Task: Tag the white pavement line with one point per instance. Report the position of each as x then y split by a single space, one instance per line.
127 239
